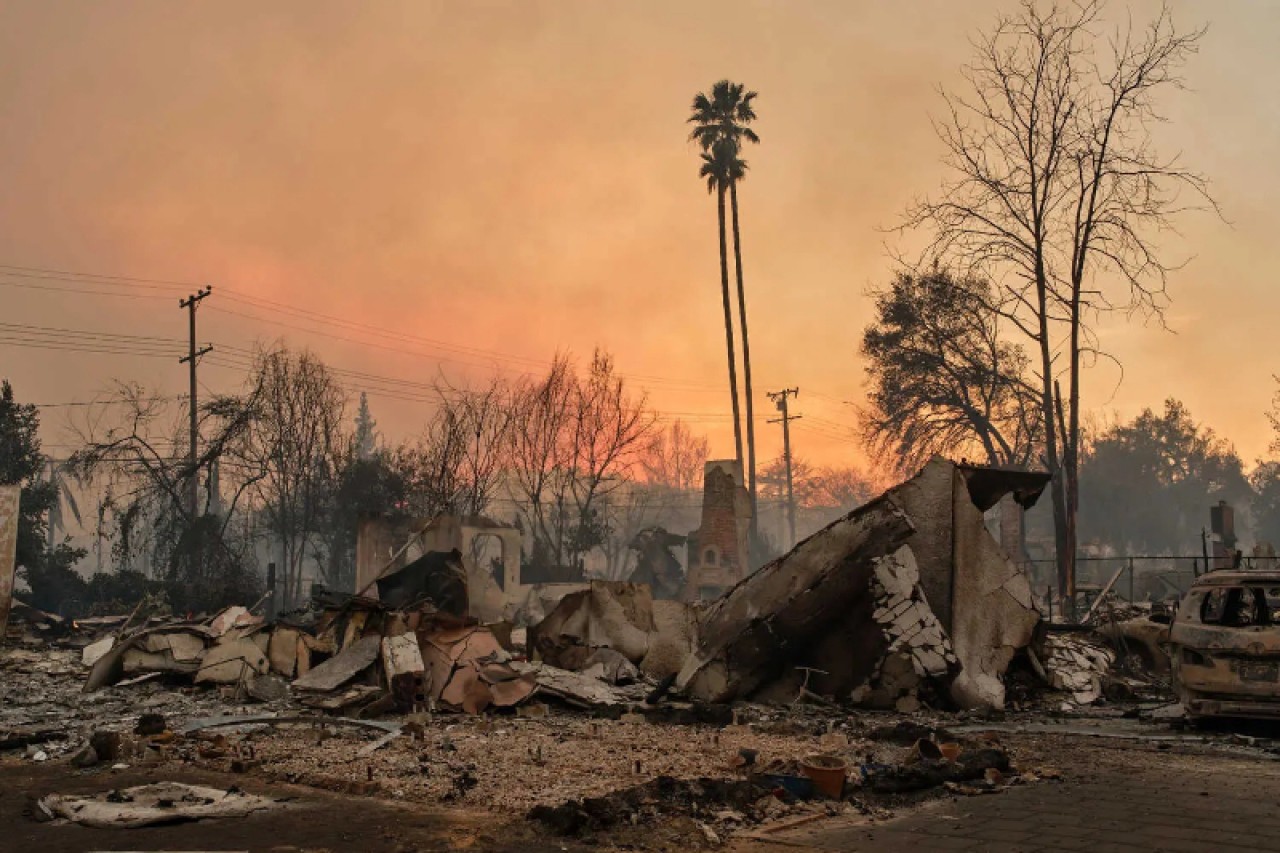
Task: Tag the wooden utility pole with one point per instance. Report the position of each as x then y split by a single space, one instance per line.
780 400
190 359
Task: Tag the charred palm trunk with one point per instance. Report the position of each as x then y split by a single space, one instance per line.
746 370
728 328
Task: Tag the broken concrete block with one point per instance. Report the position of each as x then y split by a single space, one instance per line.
989 624
161 802
401 656
233 617
611 667
267 688
86 756
907 704
674 633
92 652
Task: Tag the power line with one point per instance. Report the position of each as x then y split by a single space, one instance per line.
240 359
41 271
321 318
81 290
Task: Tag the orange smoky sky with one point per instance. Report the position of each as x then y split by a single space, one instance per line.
514 178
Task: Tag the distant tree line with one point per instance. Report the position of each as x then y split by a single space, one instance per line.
574 457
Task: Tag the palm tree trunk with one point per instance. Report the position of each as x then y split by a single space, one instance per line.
746 368
728 330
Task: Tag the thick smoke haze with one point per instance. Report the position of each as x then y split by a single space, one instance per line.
514 177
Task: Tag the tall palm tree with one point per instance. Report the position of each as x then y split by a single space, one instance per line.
717 169
724 116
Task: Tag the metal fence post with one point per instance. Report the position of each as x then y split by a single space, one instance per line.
1131 580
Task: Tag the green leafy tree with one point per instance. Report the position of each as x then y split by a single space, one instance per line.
46 569
1147 485
943 380
1265 509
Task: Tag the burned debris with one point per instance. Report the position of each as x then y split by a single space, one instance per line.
436 681
1225 646
912 582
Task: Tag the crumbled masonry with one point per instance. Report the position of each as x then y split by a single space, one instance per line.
605 713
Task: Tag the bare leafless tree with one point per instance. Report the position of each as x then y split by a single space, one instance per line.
609 428
1058 194
540 461
132 455
675 458
574 439
293 445
457 464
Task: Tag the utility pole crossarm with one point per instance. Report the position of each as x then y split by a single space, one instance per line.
191 359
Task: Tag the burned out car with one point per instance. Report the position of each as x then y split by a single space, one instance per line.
1225 645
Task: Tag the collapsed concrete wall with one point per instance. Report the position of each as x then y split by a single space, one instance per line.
929 498
908 591
621 618
771 620
981 598
917 646
992 612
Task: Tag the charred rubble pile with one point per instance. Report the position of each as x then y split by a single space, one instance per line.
906 604
907 598
906 601
414 648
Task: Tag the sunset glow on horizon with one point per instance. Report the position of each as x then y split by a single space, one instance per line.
492 184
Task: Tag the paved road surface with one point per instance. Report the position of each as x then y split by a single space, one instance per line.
1115 798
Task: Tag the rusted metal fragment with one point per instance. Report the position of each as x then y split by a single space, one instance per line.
512 691
468 670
